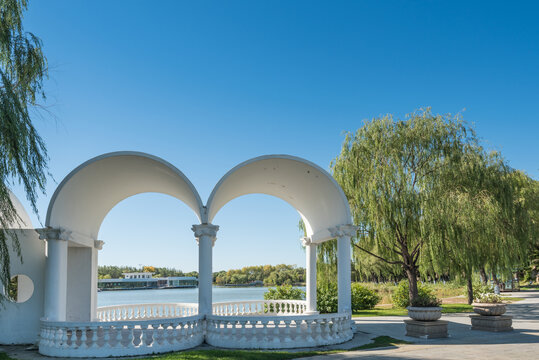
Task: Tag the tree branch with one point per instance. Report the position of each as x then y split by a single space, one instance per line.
379 257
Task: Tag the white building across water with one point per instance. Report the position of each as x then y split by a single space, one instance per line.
144 280
55 302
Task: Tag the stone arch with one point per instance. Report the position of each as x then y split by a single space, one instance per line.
311 190
90 191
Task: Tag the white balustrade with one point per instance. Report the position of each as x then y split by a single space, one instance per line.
120 338
277 332
260 307
146 311
128 330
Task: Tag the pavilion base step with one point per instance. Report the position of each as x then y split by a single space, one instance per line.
492 323
426 329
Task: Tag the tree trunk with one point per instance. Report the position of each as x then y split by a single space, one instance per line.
495 279
469 288
483 275
411 273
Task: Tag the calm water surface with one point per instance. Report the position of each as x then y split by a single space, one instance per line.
107 298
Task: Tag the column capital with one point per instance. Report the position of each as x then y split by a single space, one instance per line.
205 230
98 244
50 233
305 241
343 230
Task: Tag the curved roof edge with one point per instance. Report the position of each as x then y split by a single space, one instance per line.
278 156
121 153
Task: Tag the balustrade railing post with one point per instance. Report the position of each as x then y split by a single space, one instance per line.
63 344
106 336
287 338
130 341
276 340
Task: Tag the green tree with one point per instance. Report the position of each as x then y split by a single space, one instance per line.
482 222
23 156
389 170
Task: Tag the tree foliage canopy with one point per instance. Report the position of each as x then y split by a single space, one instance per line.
23 157
389 171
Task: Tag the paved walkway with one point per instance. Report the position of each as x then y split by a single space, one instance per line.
463 343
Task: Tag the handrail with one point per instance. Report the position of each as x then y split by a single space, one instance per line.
146 311
140 329
277 332
120 338
262 307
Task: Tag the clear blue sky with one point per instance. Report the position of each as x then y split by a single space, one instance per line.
207 85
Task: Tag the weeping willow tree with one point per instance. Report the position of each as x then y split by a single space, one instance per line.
483 218
468 215
389 170
23 157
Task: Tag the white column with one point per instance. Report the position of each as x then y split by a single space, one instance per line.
98 245
344 233
55 274
310 250
205 235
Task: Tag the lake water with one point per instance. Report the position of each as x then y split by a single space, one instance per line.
220 294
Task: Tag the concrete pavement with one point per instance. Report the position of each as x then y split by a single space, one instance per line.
463 343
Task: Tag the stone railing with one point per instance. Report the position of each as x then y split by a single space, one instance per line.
129 330
259 307
120 338
146 311
277 332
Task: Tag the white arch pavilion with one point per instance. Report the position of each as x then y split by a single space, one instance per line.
73 325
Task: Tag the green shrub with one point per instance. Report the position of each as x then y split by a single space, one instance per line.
426 297
479 288
363 298
488 298
284 292
327 298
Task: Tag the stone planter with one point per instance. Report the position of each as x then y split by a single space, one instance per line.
424 313
487 309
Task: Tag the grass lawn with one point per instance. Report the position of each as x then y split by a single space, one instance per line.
511 298
446 309
381 311
380 341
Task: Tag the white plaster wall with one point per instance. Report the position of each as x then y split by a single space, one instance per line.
81 291
19 323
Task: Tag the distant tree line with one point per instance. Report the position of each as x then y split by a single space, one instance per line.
116 272
267 275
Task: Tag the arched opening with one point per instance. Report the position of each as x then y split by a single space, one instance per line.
256 230
314 194
150 234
